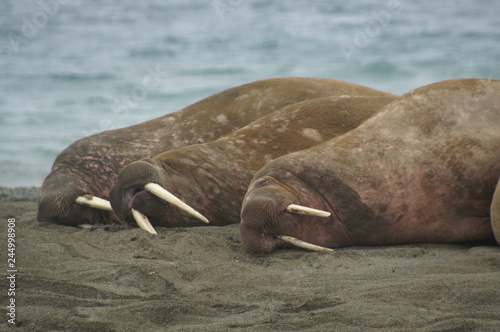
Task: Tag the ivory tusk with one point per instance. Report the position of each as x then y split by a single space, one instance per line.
84 226
294 208
143 222
93 201
302 244
164 194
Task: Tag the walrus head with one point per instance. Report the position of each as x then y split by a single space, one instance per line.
75 191
280 208
139 196
68 200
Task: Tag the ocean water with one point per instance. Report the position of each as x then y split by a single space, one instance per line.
71 68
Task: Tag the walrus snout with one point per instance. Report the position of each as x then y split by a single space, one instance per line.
58 194
262 213
61 208
130 184
53 208
142 188
262 220
272 216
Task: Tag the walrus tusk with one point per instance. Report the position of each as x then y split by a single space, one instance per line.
164 194
143 222
93 201
294 208
302 244
85 226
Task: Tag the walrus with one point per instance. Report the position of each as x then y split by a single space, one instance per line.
495 213
423 169
209 180
84 172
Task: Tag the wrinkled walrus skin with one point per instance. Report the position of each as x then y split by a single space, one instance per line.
423 169
212 178
90 165
495 213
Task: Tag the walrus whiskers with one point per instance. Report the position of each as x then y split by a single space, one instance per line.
302 244
164 194
94 202
299 209
143 222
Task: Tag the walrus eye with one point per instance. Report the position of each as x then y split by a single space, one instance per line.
262 183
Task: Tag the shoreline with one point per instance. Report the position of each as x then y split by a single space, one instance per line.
20 194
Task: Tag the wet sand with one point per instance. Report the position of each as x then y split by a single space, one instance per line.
200 279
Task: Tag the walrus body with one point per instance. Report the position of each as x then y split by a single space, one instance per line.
495 213
423 169
212 178
90 165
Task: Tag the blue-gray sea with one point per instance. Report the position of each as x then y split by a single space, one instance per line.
71 68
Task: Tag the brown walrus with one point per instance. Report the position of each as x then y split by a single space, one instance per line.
422 170
495 213
86 170
212 178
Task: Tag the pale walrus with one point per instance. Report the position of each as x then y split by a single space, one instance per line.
212 178
422 170
85 171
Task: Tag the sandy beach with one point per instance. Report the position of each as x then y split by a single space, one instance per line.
200 279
